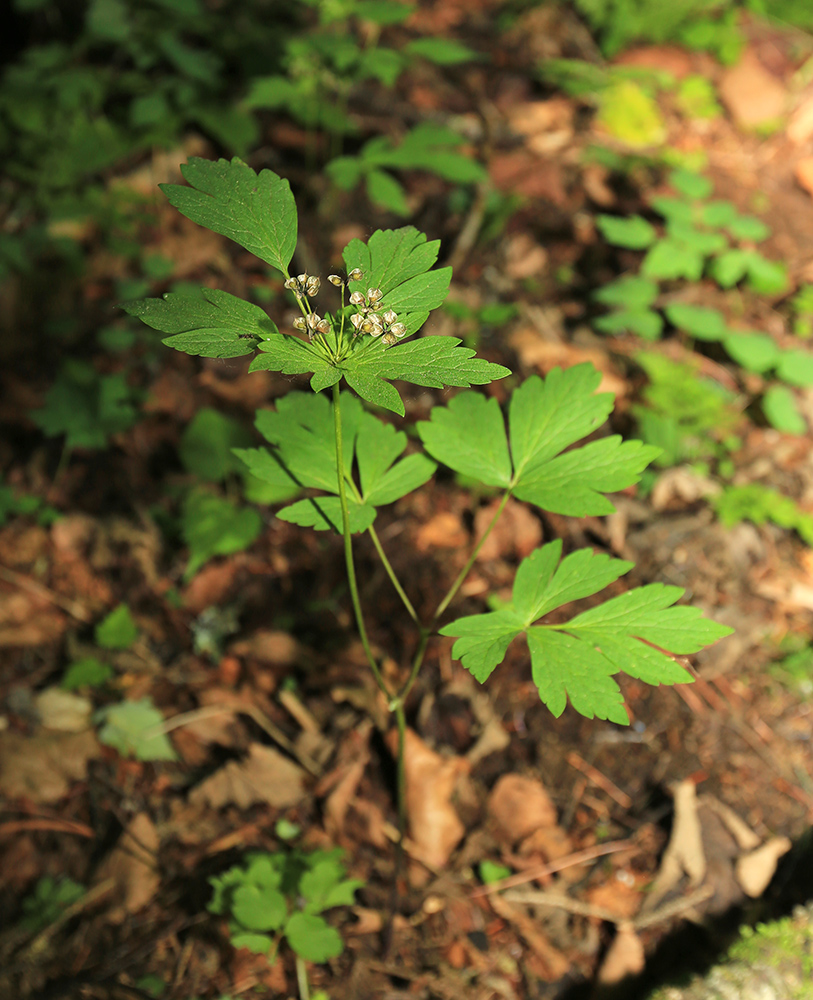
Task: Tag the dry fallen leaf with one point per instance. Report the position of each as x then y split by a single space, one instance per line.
625 956
132 864
519 806
752 95
265 776
434 826
444 531
43 767
755 870
517 533
63 710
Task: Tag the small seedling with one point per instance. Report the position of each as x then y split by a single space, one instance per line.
49 900
135 729
117 630
271 898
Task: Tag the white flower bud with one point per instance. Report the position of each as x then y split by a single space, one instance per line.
357 299
356 274
313 286
299 323
302 278
335 279
313 320
374 294
398 329
323 326
356 319
388 340
389 317
292 284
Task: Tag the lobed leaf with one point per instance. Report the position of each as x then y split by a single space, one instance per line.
255 210
218 325
576 659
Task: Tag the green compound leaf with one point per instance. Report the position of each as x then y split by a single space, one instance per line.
747 227
288 354
302 434
766 277
312 938
577 659
116 630
644 323
718 214
634 233
690 184
259 908
782 411
671 259
430 361
133 728
545 417
214 526
218 325
442 51
796 367
756 352
255 210
730 267
630 292
698 321
87 672
386 192
258 944
325 886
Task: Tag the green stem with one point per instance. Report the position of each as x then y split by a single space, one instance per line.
461 576
413 614
302 980
348 546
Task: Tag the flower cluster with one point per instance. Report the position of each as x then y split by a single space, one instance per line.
370 319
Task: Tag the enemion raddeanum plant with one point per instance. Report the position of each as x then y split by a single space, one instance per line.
350 462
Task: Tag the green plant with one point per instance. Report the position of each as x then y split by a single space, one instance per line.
429 147
134 728
352 463
86 406
702 237
688 417
15 504
701 24
759 504
278 896
48 901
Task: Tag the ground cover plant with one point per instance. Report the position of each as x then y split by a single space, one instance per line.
350 462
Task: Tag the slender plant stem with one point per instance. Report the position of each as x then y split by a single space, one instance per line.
461 576
413 614
302 980
348 546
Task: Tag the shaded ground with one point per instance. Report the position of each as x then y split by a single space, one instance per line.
283 721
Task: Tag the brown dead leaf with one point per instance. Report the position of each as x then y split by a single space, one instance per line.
517 533
546 125
267 646
172 393
536 352
63 711
804 173
675 488
246 390
622 897
191 249
752 95
434 826
523 172
520 805
800 126
29 619
625 956
755 870
43 767
551 842
211 585
443 531
665 58
265 776
524 257
132 864
21 544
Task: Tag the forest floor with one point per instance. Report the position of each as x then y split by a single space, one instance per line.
256 659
